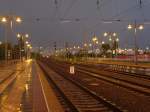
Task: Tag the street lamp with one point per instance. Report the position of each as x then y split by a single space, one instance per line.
136 27
90 45
110 35
18 19
21 39
105 34
95 41
129 26
103 42
85 45
117 39
27 42
114 34
3 20
147 48
29 47
110 39
27 35
113 39
18 35
9 20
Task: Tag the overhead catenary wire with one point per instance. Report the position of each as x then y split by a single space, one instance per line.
39 19
68 9
142 4
142 9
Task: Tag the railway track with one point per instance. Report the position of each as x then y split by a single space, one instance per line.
131 85
77 97
107 68
137 88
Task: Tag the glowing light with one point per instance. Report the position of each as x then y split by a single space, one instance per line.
90 45
72 70
26 87
29 60
18 19
18 35
27 42
129 26
94 39
85 45
114 34
103 42
147 48
27 35
97 42
141 27
105 34
110 39
28 45
117 39
4 20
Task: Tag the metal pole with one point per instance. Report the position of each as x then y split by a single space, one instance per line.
117 46
24 48
27 52
115 42
20 48
135 44
92 51
6 43
11 35
111 45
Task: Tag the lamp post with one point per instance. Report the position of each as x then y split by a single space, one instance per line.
113 39
85 46
116 45
136 27
29 47
95 41
21 41
9 20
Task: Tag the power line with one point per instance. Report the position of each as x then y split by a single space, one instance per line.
69 8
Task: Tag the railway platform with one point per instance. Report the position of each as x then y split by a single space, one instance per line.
24 88
43 89
6 75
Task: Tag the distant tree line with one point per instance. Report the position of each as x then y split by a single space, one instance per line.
12 51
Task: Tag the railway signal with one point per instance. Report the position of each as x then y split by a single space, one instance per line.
72 69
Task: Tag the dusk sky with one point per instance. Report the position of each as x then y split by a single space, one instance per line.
50 28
